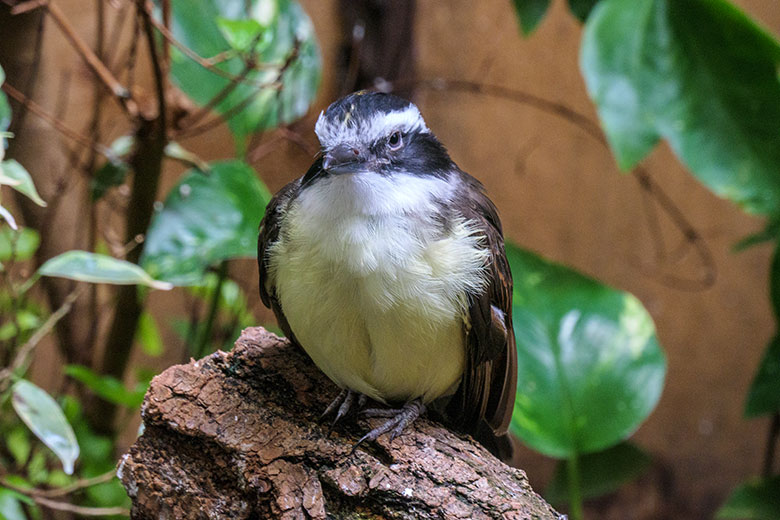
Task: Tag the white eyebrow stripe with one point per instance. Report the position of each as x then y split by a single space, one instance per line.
382 125
377 127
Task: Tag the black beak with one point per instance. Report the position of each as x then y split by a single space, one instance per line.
342 159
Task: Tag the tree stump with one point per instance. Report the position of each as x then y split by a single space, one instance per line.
236 436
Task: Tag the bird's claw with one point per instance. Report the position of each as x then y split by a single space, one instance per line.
398 420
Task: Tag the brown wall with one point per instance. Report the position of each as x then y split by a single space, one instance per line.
560 194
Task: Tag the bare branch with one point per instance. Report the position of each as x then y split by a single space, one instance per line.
98 67
79 510
39 111
26 7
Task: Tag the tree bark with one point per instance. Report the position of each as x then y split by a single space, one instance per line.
236 435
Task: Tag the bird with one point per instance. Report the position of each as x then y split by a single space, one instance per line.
385 262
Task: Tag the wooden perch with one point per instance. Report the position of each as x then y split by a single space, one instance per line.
236 436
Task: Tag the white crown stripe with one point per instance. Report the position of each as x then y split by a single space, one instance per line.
378 126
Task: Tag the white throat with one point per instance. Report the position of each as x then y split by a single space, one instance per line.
372 194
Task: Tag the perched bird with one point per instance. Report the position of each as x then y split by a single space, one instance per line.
385 262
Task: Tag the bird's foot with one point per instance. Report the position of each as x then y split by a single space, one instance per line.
342 405
397 420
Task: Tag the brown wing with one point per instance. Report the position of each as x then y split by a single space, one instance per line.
486 395
269 233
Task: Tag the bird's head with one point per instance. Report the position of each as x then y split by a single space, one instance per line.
379 133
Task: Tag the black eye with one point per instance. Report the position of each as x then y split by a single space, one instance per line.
395 141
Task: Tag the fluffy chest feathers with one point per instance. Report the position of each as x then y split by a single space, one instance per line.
374 282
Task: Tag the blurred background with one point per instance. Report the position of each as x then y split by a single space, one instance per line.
479 83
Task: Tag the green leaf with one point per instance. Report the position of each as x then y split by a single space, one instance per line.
242 35
754 500
17 442
590 369
530 13
5 116
205 219
764 394
94 268
110 175
601 473
10 506
582 8
16 171
19 245
263 106
107 387
770 232
114 171
174 150
45 419
148 335
710 88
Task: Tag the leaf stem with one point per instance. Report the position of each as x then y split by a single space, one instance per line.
203 340
575 488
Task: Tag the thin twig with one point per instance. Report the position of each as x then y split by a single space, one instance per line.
79 510
79 484
25 7
86 53
22 356
206 63
691 236
193 118
39 111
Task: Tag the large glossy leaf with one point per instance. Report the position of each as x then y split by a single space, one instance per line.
699 74
754 500
45 418
600 473
205 219
203 26
590 369
95 268
530 13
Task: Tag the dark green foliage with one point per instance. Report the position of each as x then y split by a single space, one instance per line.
590 369
206 218
602 472
278 35
756 499
530 13
710 88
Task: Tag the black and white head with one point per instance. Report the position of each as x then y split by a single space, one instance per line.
379 133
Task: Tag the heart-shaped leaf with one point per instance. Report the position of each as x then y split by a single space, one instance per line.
205 219
709 87
96 268
590 369
45 419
